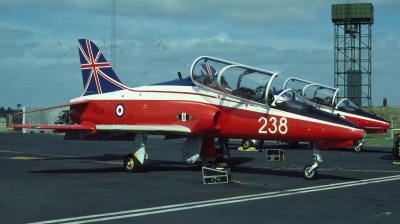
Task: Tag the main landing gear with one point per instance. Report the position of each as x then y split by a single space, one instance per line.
310 171
131 163
210 154
133 160
251 144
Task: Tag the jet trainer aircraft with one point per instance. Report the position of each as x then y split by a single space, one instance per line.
220 99
326 98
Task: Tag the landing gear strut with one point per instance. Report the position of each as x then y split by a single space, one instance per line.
396 147
358 147
310 171
133 160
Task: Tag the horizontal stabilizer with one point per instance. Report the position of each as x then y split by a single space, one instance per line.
85 126
56 106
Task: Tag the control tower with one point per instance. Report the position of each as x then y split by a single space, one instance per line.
352 67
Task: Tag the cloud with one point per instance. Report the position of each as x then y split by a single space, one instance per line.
252 12
9 33
10 49
54 50
156 39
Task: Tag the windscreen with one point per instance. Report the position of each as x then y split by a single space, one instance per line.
290 99
315 93
347 105
231 78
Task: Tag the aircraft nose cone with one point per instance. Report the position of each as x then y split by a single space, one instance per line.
364 134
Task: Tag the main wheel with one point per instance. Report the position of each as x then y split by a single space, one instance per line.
131 163
247 143
310 175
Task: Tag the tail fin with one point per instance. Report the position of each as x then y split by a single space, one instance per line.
97 74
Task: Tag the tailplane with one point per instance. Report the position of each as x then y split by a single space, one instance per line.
97 74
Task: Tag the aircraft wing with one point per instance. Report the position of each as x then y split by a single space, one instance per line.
84 126
147 128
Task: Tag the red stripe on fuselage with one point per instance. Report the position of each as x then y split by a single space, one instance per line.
234 122
367 123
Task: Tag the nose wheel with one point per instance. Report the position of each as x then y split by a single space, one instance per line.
310 171
358 147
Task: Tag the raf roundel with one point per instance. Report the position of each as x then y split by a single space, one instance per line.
119 110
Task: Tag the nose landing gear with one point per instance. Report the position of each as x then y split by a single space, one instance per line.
310 171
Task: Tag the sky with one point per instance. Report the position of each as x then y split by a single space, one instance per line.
155 39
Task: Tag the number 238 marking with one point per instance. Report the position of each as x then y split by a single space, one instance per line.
282 126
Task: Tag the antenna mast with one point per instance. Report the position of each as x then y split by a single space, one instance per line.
113 25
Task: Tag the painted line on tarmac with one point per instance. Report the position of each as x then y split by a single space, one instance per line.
74 158
35 153
214 202
22 158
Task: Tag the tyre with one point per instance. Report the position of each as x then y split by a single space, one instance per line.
358 149
310 175
131 163
247 143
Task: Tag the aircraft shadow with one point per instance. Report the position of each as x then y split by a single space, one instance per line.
149 166
367 149
88 170
390 157
288 173
103 158
352 150
235 163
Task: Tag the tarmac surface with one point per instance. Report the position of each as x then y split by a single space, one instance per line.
44 179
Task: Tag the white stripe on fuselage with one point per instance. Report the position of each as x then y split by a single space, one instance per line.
346 114
200 95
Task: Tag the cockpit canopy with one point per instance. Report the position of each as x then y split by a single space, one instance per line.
347 105
315 93
291 99
235 79
245 82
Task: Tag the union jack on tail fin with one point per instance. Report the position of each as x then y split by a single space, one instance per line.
97 75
